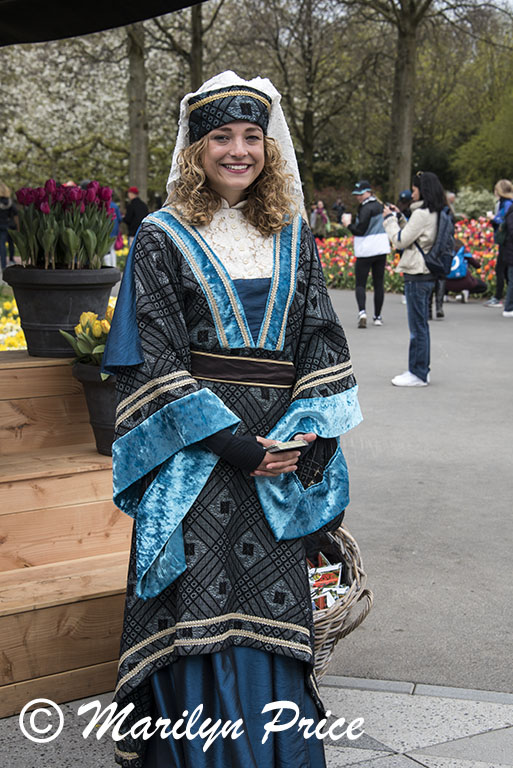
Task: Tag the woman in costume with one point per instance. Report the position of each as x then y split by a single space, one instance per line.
224 340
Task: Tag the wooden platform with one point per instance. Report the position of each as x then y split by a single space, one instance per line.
63 545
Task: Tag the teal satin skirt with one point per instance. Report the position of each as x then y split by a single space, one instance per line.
231 684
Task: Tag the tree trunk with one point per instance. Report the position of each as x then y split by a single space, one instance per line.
196 55
308 157
403 111
137 115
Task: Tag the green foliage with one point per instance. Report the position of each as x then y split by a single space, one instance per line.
473 203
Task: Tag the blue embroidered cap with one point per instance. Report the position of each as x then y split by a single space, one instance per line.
213 109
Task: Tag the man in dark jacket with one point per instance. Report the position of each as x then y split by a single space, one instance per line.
371 246
136 210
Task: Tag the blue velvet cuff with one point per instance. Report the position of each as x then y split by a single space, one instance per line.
292 510
168 438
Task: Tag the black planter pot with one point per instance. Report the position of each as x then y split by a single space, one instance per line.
101 404
50 299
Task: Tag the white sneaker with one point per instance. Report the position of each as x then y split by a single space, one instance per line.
362 320
378 320
507 313
408 379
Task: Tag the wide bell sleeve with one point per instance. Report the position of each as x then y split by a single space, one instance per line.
159 463
324 401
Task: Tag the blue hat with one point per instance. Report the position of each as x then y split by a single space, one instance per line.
405 194
361 186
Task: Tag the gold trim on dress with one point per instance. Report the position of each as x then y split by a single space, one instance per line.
144 388
214 620
197 273
323 380
292 288
208 641
323 372
166 388
227 94
242 357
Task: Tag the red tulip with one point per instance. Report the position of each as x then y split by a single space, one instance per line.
105 194
44 208
51 187
90 195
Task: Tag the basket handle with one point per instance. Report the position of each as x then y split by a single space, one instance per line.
366 596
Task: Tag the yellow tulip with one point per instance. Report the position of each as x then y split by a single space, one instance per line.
86 317
97 329
7 306
78 329
109 313
105 326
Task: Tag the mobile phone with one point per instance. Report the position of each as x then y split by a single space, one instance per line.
292 445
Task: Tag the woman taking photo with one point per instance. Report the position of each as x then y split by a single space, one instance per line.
412 236
224 341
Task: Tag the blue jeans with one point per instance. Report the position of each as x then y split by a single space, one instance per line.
418 294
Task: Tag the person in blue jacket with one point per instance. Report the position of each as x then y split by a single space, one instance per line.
503 191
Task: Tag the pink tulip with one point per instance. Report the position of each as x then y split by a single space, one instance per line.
44 208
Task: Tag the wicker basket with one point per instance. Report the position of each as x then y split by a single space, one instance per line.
331 624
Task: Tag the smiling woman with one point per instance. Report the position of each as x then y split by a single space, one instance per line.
225 341
234 159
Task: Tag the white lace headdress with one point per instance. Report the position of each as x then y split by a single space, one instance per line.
277 129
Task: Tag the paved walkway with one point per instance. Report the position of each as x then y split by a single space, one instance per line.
431 479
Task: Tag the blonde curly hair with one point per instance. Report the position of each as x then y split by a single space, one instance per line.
269 205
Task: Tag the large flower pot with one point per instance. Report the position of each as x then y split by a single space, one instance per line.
101 404
50 299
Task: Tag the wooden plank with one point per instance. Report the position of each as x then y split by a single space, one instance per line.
66 686
16 358
53 463
46 492
53 535
44 586
31 423
35 377
45 642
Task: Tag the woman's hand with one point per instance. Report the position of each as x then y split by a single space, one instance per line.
276 464
389 209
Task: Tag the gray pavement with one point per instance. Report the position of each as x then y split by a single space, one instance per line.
431 474
430 669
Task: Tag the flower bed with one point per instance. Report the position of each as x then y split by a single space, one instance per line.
11 335
337 257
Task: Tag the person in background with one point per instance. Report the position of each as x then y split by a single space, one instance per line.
404 202
420 230
8 220
319 221
339 208
371 247
136 211
460 278
508 263
503 191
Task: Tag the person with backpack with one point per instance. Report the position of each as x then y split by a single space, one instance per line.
426 242
503 191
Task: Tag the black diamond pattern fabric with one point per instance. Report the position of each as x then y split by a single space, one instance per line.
224 105
241 587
